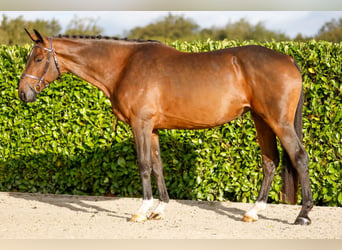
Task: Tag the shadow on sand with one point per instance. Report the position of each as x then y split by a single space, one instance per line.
230 211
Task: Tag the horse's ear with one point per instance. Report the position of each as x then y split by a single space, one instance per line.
36 37
29 34
39 36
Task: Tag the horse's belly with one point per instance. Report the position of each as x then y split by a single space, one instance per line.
204 113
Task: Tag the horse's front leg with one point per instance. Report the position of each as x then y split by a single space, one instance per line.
142 132
157 167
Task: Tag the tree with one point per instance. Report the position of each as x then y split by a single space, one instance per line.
49 28
331 31
301 38
174 27
83 26
12 31
242 30
171 27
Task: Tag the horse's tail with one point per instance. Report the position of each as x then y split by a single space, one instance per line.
289 173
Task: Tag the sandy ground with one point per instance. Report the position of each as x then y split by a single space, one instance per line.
41 216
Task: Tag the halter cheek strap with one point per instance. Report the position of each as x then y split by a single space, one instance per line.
38 87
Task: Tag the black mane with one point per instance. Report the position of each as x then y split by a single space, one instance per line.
100 37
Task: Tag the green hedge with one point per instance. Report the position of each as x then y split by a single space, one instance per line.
65 143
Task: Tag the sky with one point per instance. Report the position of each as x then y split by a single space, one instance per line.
116 23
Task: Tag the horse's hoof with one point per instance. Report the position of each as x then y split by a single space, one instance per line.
247 218
302 221
155 216
138 218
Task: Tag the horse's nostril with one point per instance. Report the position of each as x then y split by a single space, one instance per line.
22 96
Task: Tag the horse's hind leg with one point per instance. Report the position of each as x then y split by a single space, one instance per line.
299 159
157 168
270 160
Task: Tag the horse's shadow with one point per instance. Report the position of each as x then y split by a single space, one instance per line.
74 203
231 212
80 204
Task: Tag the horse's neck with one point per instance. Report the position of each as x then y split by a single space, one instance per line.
96 63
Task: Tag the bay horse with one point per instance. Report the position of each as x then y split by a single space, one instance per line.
153 86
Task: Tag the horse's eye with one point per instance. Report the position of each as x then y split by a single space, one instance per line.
39 59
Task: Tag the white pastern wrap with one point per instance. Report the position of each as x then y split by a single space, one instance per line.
146 205
160 208
258 206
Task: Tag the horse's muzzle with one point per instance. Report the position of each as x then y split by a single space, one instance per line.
27 96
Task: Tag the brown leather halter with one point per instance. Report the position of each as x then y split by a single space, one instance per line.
37 88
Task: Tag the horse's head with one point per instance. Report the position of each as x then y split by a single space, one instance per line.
41 68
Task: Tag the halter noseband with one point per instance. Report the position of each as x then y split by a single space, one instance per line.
37 88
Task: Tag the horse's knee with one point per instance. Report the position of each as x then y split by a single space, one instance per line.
145 171
269 166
